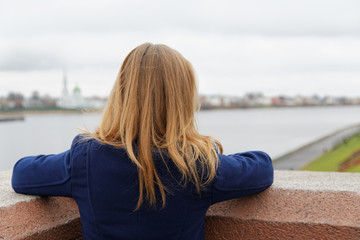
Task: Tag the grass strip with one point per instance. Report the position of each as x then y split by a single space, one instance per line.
335 159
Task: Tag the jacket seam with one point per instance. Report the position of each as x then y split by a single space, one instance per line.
89 145
43 184
71 168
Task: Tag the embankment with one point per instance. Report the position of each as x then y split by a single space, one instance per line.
300 157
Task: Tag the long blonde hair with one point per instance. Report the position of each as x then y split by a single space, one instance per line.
152 106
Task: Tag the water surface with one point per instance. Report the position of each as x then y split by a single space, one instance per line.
273 130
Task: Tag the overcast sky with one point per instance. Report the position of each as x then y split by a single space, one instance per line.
271 46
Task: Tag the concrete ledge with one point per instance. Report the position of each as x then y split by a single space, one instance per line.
30 217
300 205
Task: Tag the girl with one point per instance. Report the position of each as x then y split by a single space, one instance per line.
146 172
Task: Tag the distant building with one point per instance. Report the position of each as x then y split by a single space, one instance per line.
13 101
71 101
75 100
33 101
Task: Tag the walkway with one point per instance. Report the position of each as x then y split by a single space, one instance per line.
306 154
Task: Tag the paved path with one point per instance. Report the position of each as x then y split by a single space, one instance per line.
306 154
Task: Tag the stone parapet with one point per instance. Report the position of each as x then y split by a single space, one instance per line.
300 205
41 218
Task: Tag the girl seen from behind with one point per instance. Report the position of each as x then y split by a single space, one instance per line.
146 172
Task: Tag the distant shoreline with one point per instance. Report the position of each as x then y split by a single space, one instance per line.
205 108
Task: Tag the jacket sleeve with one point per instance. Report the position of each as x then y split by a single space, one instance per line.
242 174
44 175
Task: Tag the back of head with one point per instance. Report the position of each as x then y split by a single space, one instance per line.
152 107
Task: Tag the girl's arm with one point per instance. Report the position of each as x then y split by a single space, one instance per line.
242 174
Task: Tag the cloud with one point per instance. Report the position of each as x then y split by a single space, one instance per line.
216 54
25 60
227 40
255 17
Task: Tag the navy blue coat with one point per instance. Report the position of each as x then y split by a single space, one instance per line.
104 183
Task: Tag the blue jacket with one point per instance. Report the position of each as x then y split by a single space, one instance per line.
104 183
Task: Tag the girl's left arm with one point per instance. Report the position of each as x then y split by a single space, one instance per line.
45 175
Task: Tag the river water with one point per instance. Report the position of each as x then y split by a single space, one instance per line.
273 130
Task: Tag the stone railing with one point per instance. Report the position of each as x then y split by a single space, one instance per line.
300 205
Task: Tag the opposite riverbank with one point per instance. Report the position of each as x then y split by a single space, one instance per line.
52 110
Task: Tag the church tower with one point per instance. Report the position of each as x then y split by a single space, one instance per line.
64 100
70 100
65 92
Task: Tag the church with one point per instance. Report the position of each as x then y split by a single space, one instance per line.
70 100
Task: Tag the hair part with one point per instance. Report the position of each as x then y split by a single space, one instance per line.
152 105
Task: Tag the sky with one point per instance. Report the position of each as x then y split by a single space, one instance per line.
271 46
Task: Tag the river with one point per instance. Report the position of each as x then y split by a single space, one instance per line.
273 130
